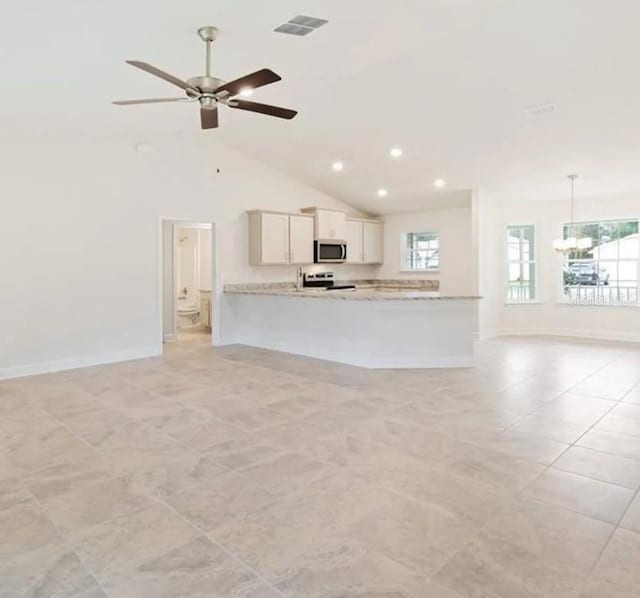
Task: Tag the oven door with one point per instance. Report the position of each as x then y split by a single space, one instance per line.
330 252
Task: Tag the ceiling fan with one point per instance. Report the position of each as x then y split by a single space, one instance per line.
211 91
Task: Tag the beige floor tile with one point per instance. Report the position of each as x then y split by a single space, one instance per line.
13 493
616 444
48 446
87 422
553 429
419 536
550 534
615 424
601 466
60 479
357 572
529 447
212 499
492 568
48 573
324 480
24 528
268 537
594 498
87 505
505 472
255 419
287 472
631 520
197 568
124 543
617 574
574 408
633 396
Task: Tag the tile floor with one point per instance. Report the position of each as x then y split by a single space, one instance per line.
242 472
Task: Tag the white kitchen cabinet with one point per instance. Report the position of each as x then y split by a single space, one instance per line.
280 238
330 224
301 239
372 242
364 241
353 237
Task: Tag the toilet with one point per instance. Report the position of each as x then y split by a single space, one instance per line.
188 315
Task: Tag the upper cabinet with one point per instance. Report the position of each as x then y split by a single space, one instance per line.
373 243
355 249
330 224
301 239
280 238
365 244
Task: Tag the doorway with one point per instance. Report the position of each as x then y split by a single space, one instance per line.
188 282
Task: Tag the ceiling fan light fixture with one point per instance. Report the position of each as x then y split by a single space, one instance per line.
210 91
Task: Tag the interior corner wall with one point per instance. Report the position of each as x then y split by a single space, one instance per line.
456 273
80 241
488 222
549 315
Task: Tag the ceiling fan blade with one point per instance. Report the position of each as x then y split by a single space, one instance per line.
152 70
150 101
209 118
257 79
263 109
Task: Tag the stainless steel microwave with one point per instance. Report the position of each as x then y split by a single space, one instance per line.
334 252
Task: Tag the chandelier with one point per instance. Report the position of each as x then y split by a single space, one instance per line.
572 242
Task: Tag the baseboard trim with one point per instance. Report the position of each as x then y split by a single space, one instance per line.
47 367
596 335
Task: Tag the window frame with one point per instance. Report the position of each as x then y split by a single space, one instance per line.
405 251
564 299
534 262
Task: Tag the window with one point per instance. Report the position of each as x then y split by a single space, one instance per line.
606 274
421 251
521 263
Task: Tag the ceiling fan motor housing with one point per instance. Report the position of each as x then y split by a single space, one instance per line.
207 85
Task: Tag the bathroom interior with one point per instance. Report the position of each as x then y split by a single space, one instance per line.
193 281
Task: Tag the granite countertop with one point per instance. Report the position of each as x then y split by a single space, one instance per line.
366 291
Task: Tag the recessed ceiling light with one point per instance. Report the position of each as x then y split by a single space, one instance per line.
396 152
337 166
382 193
246 92
439 183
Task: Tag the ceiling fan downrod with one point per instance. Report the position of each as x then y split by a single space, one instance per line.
207 35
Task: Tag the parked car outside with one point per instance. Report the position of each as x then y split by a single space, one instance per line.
586 273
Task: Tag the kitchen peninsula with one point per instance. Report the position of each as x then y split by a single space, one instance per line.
381 324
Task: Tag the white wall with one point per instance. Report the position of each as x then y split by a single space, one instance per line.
550 315
454 225
80 241
204 259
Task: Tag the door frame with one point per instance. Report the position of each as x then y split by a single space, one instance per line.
167 268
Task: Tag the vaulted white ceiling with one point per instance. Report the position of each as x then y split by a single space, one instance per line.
447 80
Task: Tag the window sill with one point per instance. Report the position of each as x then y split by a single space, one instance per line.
532 302
431 271
568 304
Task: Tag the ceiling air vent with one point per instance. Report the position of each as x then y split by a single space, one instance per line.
541 110
301 25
